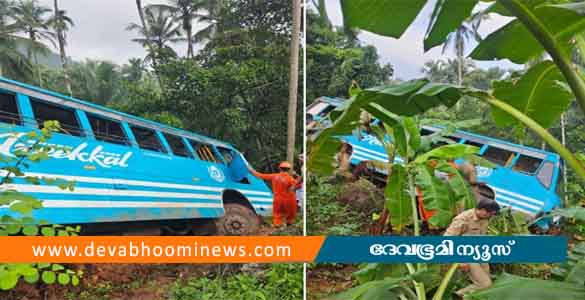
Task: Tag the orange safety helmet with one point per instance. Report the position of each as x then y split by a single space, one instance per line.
285 165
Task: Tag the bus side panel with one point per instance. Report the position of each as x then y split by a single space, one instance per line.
116 183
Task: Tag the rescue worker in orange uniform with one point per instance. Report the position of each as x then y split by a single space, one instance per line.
283 188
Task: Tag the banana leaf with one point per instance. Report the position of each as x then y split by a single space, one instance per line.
511 287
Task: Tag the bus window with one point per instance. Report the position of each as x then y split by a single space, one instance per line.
560 182
444 142
527 164
9 110
107 130
177 145
545 174
227 154
424 132
44 111
472 143
498 156
147 138
204 151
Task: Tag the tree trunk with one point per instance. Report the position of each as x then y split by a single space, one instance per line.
33 55
148 41
293 80
146 31
29 50
323 13
61 40
189 42
460 70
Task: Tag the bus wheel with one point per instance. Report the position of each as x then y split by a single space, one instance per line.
238 220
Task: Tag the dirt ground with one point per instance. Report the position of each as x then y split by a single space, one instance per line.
129 281
113 282
328 279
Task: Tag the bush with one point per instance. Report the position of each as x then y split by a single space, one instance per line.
280 281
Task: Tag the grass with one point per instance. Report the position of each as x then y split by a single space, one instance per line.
279 281
327 216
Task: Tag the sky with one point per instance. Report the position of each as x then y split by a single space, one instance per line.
100 33
100 29
406 54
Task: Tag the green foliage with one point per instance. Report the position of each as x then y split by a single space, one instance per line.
532 94
398 200
384 17
561 23
378 271
508 287
436 195
335 60
440 26
384 289
327 216
508 222
573 270
537 27
21 222
461 190
409 98
280 281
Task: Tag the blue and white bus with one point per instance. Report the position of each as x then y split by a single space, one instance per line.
525 179
129 173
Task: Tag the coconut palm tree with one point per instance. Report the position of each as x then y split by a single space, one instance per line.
32 19
13 63
61 23
322 12
145 28
159 29
210 15
458 39
187 11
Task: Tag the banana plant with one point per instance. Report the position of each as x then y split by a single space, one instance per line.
544 92
401 136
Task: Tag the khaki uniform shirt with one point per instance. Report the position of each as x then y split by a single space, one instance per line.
467 223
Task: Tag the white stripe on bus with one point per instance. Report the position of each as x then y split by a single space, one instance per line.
263 206
382 155
368 150
515 207
371 157
259 199
105 180
516 201
30 188
535 201
125 204
355 156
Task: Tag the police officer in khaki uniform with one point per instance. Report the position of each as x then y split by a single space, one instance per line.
474 222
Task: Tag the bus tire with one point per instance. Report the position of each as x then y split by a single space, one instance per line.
238 219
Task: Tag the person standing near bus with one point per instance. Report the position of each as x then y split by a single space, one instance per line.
474 222
283 188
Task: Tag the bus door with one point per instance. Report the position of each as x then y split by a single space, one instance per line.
234 164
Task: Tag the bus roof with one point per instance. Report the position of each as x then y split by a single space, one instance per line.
471 136
332 100
57 98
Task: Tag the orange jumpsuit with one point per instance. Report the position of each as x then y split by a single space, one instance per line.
285 203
